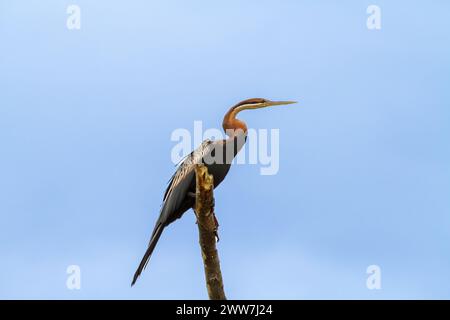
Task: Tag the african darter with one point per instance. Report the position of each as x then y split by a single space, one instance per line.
217 156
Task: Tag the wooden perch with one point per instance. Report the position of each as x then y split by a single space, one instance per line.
207 227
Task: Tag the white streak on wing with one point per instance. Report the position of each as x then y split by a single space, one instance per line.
188 164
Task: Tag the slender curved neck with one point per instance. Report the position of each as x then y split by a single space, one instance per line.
237 134
233 126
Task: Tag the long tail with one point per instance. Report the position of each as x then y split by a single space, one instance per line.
151 246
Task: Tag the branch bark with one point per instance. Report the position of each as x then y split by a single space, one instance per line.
204 210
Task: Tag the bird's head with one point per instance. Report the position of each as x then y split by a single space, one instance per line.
257 103
230 121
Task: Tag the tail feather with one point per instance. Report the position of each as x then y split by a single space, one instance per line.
151 246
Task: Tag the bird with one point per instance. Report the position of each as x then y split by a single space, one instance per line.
217 156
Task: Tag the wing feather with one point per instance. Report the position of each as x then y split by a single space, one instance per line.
187 166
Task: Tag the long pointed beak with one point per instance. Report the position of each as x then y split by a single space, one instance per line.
279 103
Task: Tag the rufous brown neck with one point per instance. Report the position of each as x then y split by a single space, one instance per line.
231 125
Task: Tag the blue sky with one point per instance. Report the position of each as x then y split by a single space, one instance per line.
86 118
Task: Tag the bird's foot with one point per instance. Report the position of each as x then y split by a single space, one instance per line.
216 222
192 194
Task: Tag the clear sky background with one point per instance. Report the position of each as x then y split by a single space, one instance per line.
85 124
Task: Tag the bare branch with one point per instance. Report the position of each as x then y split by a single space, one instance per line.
207 227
